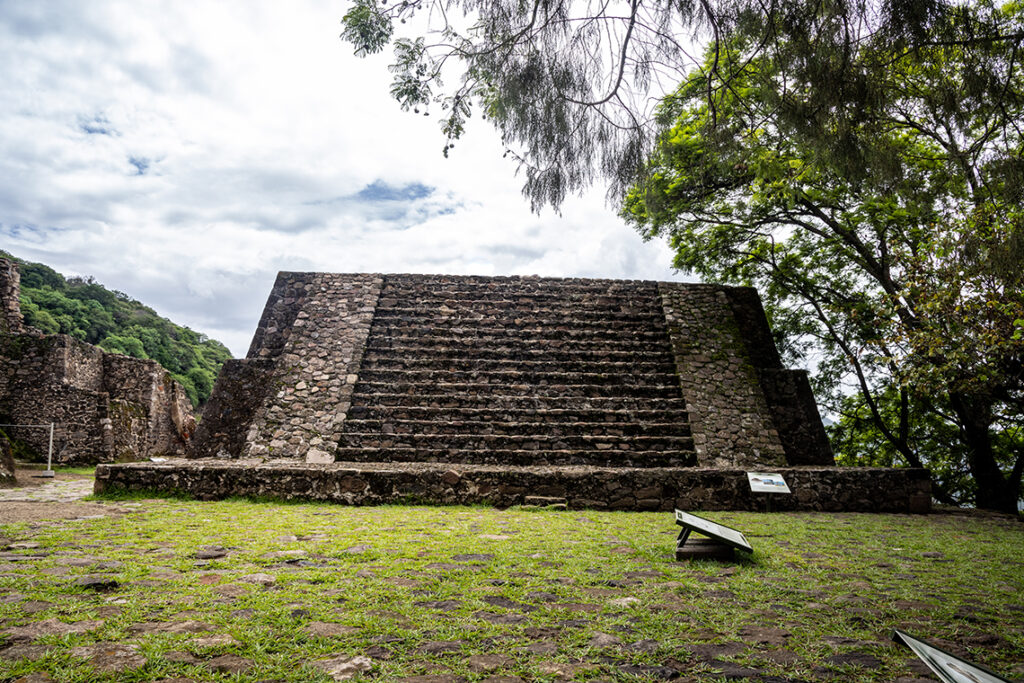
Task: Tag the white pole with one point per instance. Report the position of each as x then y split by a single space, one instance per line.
49 454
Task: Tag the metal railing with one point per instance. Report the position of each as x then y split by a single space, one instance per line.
48 473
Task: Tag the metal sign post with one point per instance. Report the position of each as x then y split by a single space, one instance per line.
720 542
48 473
767 483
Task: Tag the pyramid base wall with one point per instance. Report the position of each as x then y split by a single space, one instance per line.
831 489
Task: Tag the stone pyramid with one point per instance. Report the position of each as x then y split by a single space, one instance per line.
368 388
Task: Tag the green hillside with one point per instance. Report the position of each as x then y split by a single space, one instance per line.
117 323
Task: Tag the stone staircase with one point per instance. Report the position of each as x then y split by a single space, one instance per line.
517 372
366 389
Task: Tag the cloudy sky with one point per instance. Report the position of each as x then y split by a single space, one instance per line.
184 152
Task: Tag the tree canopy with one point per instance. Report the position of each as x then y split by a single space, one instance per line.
86 310
572 86
899 263
860 161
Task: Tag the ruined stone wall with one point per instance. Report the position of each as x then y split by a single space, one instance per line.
791 402
311 339
10 305
729 415
745 408
36 393
105 407
150 412
795 414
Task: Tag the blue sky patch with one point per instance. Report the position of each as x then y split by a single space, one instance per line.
141 164
380 191
97 125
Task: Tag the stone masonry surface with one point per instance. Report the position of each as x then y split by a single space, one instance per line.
289 397
600 393
514 371
105 407
745 409
578 487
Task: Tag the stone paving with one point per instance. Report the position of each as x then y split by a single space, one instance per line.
460 595
55 491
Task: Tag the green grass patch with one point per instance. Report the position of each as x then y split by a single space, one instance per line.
546 595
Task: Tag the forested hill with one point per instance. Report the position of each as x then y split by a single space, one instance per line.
117 323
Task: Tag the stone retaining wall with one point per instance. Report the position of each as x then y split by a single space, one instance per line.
650 489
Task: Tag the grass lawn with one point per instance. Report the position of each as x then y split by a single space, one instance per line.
243 591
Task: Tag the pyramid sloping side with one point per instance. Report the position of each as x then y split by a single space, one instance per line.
515 371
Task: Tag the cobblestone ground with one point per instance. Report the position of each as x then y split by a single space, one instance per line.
54 491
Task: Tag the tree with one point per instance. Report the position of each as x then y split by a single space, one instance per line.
571 86
898 261
812 150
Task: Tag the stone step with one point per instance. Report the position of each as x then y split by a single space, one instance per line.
533 328
385 396
610 338
516 442
444 424
548 378
422 354
524 302
557 417
469 342
532 316
431 363
640 459
511 300
518 285
491 392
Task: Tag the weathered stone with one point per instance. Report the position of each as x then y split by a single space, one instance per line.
27 652
111 657
219 640
97 583
49 627
593 393
342 668
230 664
259 579
479 664
105 407
601 640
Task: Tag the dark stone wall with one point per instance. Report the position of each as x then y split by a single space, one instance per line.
240 393
277 322
729 415
747 409
651 489
10 305
105 407
791 403
309 343
796 417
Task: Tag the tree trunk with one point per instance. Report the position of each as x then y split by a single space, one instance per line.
996 491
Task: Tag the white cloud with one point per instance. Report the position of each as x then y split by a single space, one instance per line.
185 152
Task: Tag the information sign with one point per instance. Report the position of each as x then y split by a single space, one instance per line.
948 668
767 482
706 527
